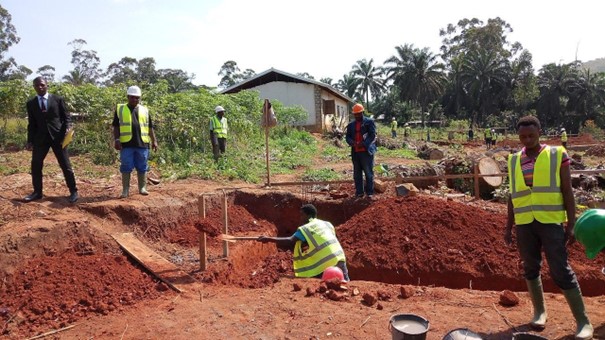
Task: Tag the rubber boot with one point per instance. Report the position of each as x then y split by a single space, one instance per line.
142 178
536 294
125 184
584 329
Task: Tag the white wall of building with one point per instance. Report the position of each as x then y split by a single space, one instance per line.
290 94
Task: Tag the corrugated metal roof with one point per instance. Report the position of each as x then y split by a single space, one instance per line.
272 75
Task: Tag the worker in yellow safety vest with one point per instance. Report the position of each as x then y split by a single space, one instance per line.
541 200
133 136
316 247
218 132
563 137
488 137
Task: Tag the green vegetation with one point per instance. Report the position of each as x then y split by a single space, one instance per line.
318 175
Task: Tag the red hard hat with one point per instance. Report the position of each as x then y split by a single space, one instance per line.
357 108
333 272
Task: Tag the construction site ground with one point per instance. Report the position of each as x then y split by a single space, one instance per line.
438 256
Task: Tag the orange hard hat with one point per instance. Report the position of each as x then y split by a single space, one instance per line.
332 273
358 108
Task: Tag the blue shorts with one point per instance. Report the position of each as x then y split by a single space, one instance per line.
131 158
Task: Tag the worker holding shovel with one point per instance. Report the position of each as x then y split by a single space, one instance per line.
316 247
541 201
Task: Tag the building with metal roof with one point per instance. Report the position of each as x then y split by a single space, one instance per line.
326 107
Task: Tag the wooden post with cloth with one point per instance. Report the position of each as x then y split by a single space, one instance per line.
269 120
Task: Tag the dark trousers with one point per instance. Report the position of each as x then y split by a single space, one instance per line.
534 237
39 153
218 146
363 163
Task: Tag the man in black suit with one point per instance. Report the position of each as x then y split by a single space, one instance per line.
48 124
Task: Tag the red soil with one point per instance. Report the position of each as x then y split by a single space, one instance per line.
54 291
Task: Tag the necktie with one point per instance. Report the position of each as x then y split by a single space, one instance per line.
42 105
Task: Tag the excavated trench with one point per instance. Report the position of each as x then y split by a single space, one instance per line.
74 269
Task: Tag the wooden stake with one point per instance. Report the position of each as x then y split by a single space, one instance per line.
225 224
476 179
201 204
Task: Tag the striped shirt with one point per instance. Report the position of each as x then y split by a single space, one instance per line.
528 163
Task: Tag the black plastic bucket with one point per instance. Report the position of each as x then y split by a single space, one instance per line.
462 334
408 327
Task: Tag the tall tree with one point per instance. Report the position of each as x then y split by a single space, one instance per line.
486 79
369 78
228 72
554 83
48 72
123 71
178 80
349 85
417 74
86 63
146 72
9 69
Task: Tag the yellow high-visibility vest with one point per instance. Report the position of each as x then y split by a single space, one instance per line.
324 249
544 201
125 118
219 126
488 133
564 136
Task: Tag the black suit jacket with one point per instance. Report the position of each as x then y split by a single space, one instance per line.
50 124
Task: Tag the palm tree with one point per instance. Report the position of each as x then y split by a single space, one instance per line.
486 79
369 78
586 96
349 85
75 77
418 75
554 83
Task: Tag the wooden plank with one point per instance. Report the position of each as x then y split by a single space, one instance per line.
164 270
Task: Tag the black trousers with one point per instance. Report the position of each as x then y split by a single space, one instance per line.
39 153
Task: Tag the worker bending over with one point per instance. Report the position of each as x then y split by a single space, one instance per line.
316 247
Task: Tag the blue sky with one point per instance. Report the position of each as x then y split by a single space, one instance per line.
321 37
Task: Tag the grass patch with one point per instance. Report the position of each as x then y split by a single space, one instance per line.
319 175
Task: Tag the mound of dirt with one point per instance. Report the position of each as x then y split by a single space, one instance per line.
597 150
426 240
54 291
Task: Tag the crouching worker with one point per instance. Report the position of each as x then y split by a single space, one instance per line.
316 247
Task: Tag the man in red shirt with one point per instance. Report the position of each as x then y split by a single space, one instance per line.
361 136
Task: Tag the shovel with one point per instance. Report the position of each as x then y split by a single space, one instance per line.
231 238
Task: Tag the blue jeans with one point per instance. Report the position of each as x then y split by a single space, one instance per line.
131 158
535 236
363 162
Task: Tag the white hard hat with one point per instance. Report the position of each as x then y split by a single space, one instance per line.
134 91
562 129
219 109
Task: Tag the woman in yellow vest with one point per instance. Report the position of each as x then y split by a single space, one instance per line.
316 247
564 138
541 201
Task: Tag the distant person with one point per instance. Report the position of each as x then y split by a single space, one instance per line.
488 137
48 122
494 138
361 136
541 201
564 138
316 247
407 131
394 128
218 132
470 134
133 133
